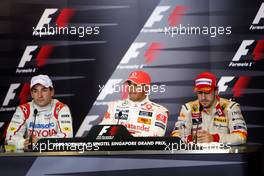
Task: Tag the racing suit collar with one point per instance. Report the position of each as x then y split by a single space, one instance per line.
138 103
45 108
213 108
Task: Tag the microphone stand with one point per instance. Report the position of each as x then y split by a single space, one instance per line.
199 121
119 115
30 139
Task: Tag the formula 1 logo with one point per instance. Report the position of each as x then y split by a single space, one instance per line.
17 94
46 19
173 19
150 51
250 51
107 132
26 65
88 122
109 88
256 24
239 86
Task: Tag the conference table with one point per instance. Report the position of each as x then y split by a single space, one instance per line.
235 160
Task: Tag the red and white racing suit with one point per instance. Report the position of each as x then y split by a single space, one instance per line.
224 121
52 121
143 118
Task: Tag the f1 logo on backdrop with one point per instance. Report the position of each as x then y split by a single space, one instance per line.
46 19
16 91
239 86
173 19
150 51
256 25
41 58
243 53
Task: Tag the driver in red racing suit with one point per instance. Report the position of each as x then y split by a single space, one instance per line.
44 116
137 113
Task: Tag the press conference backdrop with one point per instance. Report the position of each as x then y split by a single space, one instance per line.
104 40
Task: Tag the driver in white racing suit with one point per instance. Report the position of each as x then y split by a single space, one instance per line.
43 117
137 113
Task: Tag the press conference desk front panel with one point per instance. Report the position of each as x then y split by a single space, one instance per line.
236 160
102 152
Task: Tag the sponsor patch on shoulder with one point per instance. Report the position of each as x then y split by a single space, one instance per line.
68 129
238 127
162 118
12 129
161 125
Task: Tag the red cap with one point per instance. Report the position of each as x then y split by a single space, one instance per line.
139 77
205 81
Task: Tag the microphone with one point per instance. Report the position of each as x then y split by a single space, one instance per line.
183 126
201 108
197 122
119 116
35 112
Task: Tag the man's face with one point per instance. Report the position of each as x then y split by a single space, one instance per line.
206 99
137 92
41 95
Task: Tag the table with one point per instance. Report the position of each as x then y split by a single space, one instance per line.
238 160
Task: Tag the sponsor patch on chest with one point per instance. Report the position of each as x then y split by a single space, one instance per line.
144 120
145 113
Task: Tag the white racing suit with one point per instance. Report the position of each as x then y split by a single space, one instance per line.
143 118
52 121
224 121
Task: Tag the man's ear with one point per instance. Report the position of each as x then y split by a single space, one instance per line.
216 91
31 93
147 89
52 92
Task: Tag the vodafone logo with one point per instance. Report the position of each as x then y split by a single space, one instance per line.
26 65
16 91
258 23
243 58
148 106
134 75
